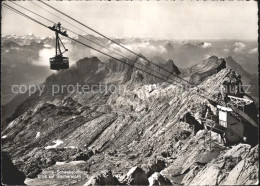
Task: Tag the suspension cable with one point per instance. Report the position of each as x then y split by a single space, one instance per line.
160 67
184 80
17 11
111 40
77 28
88 39
24 15
73 32
57 16
32 12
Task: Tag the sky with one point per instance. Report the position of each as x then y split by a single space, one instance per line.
145 19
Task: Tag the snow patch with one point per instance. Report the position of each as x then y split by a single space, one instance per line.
11 124
37 135
57 142
60 163
70 163
5 136
70 147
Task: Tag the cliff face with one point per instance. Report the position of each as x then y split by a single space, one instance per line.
250 81
208 67
136 125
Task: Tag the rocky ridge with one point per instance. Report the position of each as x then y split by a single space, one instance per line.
136 129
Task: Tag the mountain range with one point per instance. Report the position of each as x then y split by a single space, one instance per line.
132 135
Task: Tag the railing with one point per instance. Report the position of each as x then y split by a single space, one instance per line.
238 102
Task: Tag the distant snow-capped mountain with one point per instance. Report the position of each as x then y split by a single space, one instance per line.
27 39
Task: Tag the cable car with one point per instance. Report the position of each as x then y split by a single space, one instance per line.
58 62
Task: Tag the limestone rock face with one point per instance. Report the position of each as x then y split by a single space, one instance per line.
236 166
104 178
136 176
153 166
134 132
208 67
246 77
158 179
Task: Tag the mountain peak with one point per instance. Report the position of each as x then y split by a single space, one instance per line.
229 58
172 67
211 58
206 68
10 44
126 124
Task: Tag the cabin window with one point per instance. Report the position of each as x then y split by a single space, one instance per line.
223 118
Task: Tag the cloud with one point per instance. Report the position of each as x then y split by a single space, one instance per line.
206 45
44 55
47 46
239 46
253 51
226 50
144 47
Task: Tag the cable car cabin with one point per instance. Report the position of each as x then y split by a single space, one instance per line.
59 62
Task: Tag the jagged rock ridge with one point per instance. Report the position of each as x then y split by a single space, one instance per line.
137 126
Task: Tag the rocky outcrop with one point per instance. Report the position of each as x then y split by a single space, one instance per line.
158 179
193 155
247 78
218 166
135 132
136 176
207 68
245 172
170 66
104 178
237 166
153 166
